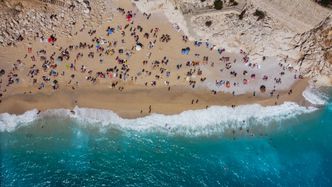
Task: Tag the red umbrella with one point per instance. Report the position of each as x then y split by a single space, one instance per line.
129 16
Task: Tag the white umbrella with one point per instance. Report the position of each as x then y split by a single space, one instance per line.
138 46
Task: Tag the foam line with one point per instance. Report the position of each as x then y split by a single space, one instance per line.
314 96
215 119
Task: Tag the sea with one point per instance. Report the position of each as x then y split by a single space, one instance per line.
285 145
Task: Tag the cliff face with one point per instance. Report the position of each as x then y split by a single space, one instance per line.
315 47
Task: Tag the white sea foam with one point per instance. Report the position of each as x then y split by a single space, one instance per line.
314 96
9 122
213 120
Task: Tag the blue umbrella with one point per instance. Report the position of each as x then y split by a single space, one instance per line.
185 51
110 31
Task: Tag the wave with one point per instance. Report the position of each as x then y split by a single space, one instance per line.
314 96
215 119
9 122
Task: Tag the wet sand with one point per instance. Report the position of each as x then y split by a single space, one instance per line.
130 102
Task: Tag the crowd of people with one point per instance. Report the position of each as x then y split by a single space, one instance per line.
109 56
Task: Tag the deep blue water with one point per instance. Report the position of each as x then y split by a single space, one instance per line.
58 152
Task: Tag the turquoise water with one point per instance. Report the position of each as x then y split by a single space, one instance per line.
62 152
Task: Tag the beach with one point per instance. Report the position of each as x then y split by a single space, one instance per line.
134 101
136 64
60 151
165 93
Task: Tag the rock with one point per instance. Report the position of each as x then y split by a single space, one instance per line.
86 2
22 19
19 7
7 4
316 47
86 11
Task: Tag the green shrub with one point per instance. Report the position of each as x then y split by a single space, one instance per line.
218 4
233 3
208 23
260 14
242 14
325 2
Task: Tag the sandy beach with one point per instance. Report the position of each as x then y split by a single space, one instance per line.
136 64
135 101
165 93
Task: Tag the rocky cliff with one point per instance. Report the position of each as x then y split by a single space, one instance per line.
315 47
24 19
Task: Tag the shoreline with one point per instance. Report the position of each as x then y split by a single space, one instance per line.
135 65
130 102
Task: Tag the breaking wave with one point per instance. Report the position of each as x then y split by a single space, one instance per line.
216 119
315 96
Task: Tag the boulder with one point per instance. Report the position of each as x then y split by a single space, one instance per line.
19 7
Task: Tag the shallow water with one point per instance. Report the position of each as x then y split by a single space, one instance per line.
64 152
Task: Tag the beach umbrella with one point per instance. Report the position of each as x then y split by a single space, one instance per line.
97 45
262 88
138 46
110 31
129 16
58 60
51 39
185 51
53 72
